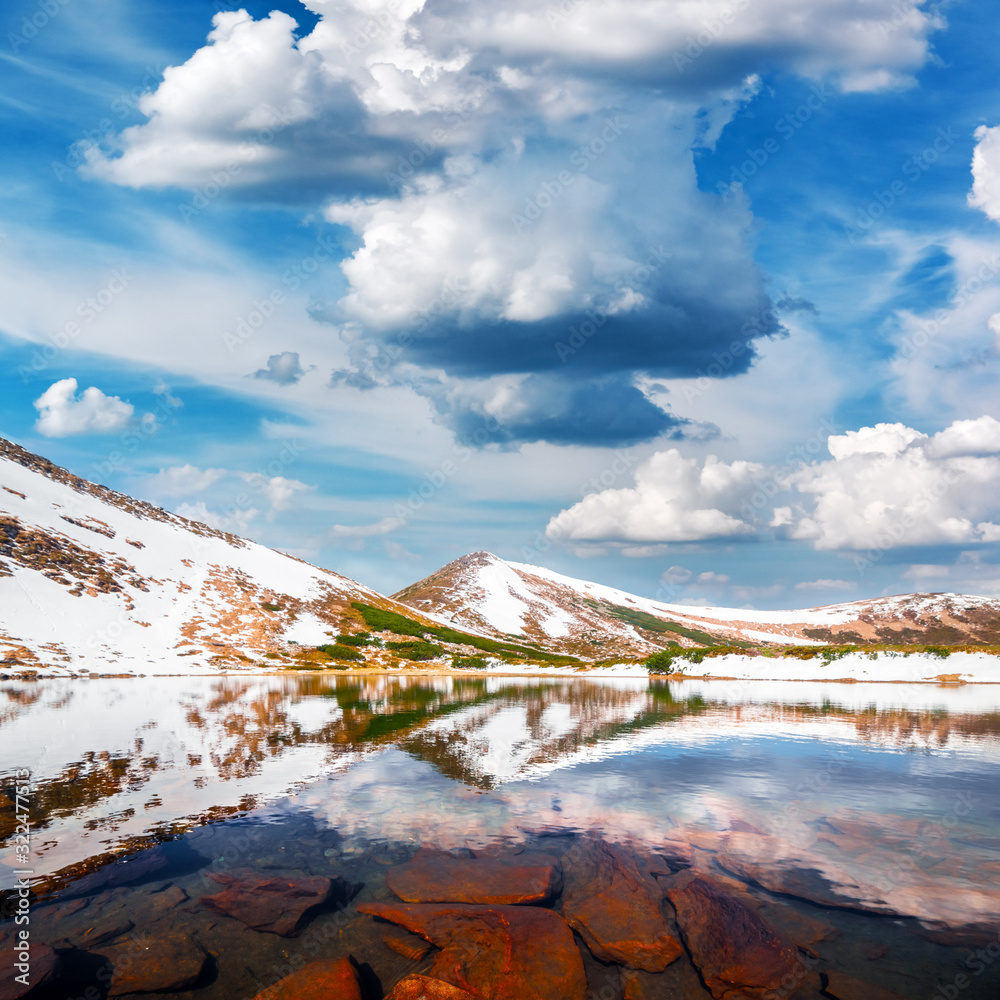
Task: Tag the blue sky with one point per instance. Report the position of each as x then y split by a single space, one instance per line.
701 303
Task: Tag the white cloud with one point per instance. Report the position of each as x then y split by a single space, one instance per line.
382 527
948 359
885 486
61 412
236 520
284 368
394 69
353 536
277 490
182 480
220 111
674 500
826 585
430 128
676 576
867 48
985 192
645 551
889 486
967 437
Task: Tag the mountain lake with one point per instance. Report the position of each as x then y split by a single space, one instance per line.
204 837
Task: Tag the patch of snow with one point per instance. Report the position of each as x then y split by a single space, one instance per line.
309 630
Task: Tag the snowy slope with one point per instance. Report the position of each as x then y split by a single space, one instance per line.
508 598
92 580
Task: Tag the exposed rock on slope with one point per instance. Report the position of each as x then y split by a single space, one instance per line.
94 580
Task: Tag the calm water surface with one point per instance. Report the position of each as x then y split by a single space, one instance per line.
863 820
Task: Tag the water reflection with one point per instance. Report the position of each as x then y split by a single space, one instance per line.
115 761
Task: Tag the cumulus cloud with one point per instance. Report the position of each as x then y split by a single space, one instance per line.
885 487
365 76
183 480
284 368
541 407
278 491
890 485
61 412
518 179
985 192
675 499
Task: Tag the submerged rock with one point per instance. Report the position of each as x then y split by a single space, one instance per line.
408 945
617 907
137 867
501 952
155 964
44 962
424 988
679 980
324 979
845 987
738 954
439 877
277 905
809 883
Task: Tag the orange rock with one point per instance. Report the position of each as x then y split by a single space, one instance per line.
735 950
155 964
617 908
324 979
679 980
277 905
439 877
847 988
800 928
500 952
423 988
406 944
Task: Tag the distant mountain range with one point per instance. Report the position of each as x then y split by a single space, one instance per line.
483 592
95 581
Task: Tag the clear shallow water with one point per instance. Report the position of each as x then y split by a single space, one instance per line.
874 810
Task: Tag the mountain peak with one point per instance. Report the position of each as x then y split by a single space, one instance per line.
593 621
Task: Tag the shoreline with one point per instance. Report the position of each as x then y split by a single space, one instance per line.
625 671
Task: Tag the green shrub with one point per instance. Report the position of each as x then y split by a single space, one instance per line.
271 607
941 652
661 662
378 620
664 661
416 650
469 662
360 639
339 652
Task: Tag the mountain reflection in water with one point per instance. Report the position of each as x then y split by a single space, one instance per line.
116 762
864 820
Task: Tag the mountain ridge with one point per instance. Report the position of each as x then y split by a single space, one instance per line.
96 581
571 615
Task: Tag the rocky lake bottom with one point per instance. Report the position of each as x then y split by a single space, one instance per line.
226 838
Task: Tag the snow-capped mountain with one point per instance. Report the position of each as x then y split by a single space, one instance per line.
502 598
93 580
